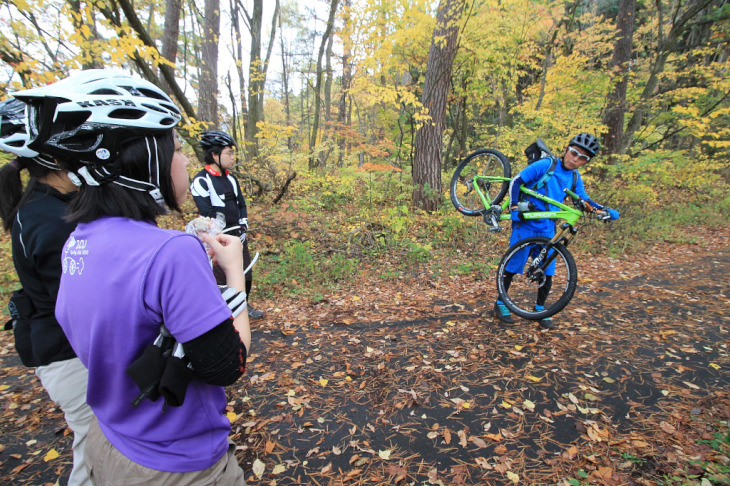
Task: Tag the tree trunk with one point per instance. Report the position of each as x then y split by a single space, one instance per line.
328 82
265 64
238 58
613 116
427 161
254 68
313 158
146 39
170 35
89 59
208 90
285 81
666 45
342 111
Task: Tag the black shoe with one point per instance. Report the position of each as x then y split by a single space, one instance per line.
502 313
254 314
545 322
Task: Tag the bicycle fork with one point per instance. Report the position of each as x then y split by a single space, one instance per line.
542 261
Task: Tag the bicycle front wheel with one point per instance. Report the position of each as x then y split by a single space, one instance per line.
532 271
484 162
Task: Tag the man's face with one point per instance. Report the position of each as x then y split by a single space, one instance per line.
227 158
575 157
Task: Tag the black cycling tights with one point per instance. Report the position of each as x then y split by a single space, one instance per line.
542 292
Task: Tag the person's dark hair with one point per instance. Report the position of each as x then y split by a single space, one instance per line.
208 158
94 202
12 195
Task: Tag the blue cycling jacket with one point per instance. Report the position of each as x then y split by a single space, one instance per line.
553 188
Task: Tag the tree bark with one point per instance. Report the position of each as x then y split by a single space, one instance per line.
235 20
342 111
614 114
313 158
90 59
666 45
170 36
265 65
285 81
328 82
255 21
427 160
144 36
208 89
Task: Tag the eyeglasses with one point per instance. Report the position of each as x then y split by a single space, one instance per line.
578 154
228 152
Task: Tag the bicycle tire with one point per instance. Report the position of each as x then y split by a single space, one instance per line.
522 293
486 162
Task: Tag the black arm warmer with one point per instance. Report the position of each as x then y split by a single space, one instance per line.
218 356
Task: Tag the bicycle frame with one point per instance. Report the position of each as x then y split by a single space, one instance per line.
567 213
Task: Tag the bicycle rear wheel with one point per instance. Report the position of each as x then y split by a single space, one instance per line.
484 162
530 261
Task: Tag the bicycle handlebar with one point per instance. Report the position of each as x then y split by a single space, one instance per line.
585 206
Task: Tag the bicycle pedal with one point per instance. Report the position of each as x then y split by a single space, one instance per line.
494 229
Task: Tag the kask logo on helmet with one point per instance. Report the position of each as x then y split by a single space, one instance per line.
92 103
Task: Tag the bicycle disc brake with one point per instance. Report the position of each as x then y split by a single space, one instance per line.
536 274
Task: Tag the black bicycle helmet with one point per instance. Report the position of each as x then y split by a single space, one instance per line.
216 138
90 115
13 135
586 141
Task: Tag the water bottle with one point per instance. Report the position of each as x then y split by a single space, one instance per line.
524 206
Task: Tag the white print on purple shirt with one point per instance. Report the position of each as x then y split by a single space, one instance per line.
73 262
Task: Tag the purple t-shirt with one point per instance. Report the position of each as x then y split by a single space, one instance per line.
121 279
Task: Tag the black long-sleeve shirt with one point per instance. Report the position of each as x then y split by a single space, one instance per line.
38 236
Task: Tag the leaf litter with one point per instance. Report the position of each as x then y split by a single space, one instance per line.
413 382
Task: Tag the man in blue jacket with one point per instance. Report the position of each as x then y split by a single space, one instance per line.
565 175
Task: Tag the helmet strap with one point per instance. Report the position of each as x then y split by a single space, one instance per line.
96 175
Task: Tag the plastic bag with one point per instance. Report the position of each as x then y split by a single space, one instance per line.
208 226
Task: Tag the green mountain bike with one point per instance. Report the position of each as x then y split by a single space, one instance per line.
478 188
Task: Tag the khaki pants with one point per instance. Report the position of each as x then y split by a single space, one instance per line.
109 467
65 382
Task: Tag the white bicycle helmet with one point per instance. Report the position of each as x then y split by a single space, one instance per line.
14 136
90 115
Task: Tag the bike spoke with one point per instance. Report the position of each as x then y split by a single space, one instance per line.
548 275
465 188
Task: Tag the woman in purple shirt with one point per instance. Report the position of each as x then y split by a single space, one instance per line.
126 282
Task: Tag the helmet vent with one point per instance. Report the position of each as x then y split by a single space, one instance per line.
172 108
153 107
69 121
126 114
152 94
105 91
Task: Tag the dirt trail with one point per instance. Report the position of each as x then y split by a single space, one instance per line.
417 383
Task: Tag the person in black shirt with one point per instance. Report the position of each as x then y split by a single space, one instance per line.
35 217
215 190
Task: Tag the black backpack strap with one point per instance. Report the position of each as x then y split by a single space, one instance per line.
575 180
